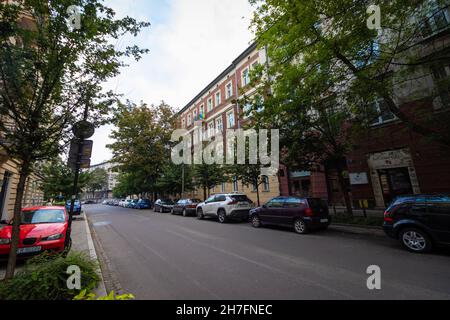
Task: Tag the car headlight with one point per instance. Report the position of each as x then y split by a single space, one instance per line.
53 237
5 241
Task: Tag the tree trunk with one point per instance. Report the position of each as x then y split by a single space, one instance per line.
204 193
15 237
344 190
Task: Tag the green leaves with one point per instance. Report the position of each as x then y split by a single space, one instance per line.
142 145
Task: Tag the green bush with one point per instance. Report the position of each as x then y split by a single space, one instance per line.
45 278
85 295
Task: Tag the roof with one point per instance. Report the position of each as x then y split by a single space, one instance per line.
220 76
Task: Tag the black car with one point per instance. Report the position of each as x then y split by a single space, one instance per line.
163 205
302 214
186 207
419 222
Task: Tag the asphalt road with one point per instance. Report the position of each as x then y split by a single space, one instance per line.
160 256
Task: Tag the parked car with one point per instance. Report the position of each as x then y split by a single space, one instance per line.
302 214
89 202
42 229
186 207
163 205
115 202
143 204
76 207
122 202
225 207
131 203
419 222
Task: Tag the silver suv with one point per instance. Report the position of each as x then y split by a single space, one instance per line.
226 206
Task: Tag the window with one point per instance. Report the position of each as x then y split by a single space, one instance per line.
218 98
195 115
189 120
247 108
235 184
211 129
210 104
379 113
435 18
183 123
219 124
255 186
441 77
255 64
223 187
266 185
294 202
276 203
202 112
245 77
230 117
229 90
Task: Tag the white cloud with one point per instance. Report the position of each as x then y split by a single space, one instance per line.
190 42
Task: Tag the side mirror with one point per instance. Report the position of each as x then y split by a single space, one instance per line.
264 206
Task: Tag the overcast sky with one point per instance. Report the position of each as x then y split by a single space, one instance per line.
190 43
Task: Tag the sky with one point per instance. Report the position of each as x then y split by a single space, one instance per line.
190 43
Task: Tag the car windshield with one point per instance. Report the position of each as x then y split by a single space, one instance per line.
43 216
144 201
195 200
166 201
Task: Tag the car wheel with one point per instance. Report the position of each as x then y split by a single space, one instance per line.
256 221
154 209
415 240
184 213
300 226
222 216
161 210
172 212
200 215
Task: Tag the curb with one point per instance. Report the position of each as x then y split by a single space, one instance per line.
101 289
360 230
362 226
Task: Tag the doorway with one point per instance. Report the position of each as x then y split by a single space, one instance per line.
395 182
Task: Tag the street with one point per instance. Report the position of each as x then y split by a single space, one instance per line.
160 256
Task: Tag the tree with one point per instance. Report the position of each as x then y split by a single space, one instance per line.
48 72
142 142
127 184
97 180
207 176
327 67
171 179
58 180
390 63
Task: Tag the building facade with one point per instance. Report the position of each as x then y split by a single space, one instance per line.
109 167
9 178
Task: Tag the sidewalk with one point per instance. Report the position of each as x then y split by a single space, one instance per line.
81 241
357 212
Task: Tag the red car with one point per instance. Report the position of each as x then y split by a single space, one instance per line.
42 229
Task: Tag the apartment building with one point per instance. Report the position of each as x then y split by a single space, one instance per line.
109 167
216 109
392 159
9 167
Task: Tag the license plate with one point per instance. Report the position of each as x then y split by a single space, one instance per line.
29 250
323 220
